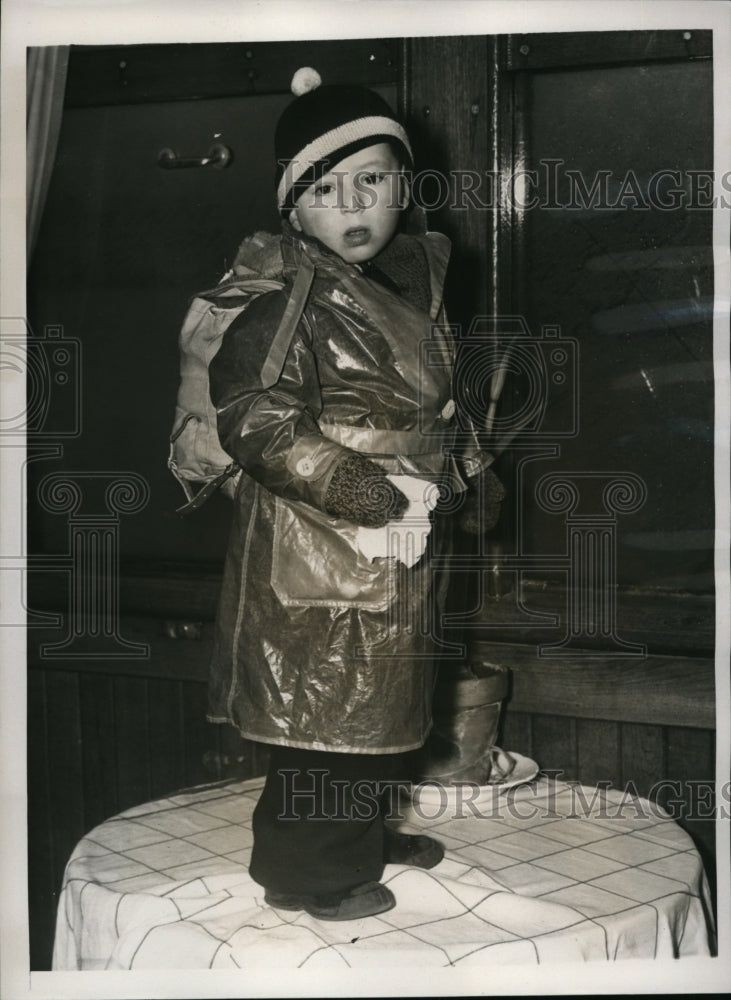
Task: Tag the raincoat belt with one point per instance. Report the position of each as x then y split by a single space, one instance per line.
377 441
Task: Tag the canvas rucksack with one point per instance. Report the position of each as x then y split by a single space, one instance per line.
196 457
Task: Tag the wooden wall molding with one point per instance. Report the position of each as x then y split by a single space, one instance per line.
138 74
563 50
654 690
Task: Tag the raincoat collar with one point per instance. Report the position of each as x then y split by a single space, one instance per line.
436 246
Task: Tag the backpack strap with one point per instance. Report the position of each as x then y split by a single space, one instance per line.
272 367
208 490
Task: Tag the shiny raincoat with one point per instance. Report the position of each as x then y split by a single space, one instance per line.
317 647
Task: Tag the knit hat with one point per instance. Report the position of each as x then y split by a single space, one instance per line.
323 126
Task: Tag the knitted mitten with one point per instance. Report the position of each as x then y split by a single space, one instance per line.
359 491
482 506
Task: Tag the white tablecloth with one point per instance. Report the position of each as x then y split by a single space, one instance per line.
545 872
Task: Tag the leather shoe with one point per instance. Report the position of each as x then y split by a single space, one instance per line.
361 901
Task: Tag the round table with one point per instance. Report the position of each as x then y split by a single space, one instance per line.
545 872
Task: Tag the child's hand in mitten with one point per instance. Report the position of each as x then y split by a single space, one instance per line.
482 506
360 491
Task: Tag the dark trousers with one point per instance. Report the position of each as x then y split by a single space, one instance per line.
319 823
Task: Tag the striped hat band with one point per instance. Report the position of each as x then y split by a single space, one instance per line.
326 151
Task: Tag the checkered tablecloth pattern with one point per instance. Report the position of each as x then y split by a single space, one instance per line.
546 872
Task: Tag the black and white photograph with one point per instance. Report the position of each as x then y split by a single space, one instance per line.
364 549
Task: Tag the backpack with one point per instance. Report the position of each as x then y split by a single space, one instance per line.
196 457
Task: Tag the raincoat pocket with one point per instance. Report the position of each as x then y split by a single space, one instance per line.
316 562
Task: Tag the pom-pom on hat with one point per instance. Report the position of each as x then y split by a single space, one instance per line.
323 126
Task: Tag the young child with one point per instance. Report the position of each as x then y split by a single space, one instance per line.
323 653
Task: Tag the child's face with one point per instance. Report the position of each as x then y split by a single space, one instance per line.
354 209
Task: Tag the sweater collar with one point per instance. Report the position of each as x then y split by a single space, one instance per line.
436 246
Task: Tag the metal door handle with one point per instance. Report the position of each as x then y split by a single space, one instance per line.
218 156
